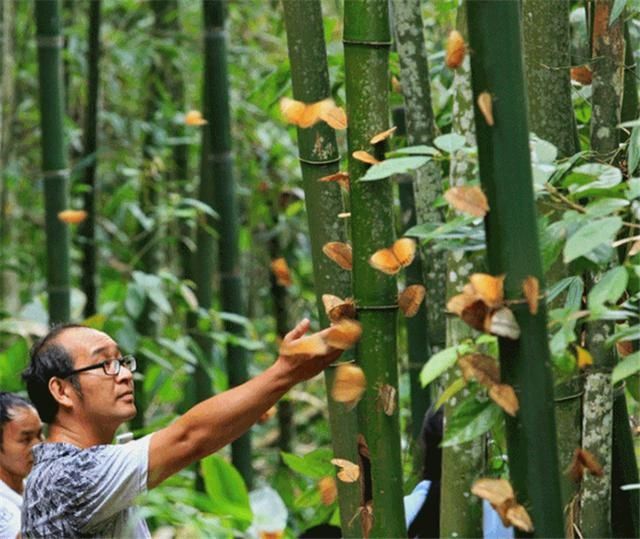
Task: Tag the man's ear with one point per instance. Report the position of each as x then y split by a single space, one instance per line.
61 392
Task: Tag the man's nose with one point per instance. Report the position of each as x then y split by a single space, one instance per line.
124 374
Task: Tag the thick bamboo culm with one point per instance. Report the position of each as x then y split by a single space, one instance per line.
512 248
87 230
225 203
310 83
366 49
54 160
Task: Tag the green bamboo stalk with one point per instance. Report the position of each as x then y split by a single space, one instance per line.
512 246
417 340
9 285
461 514
625 505
226 205
366 48
547 61
310 82
54 161
279 298
607 64
87 231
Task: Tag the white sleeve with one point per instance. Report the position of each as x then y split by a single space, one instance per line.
9 523
119 475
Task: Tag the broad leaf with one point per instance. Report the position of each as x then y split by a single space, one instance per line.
316 464
450 142
606 206
440 362
616 10
629 366
609 288
398 165
590 236
226 489
470 420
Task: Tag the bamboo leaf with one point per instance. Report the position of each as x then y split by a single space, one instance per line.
450 142
470 420
559 287
609 288
226 489
590 236
389 167
629 366
440 362
616 10
628 334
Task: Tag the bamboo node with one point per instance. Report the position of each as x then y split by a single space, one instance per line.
54 42
377 307
325 162
55 173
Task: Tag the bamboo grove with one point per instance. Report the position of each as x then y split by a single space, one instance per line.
451 188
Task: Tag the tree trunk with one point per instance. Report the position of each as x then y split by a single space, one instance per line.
512 248
226 205
461 514
366 47
87 230
630 107
54 159
548 58
608 80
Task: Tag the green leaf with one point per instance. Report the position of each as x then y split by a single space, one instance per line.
134 302
590 178
634 149
631 333
440 362
470 420
606 206
627 367
544 151
456 386
13 360
450 142
609 288
557 288
421 149
590 236
226 489
316 464
616 10
389 167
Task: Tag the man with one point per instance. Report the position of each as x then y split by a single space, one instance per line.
20 430
83 387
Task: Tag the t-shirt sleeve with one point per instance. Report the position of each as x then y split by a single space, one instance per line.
9 523
119 475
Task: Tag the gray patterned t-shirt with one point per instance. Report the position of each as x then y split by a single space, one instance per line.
73 492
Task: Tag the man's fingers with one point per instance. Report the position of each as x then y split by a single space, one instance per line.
297 331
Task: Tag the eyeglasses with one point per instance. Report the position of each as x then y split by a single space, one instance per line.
109 366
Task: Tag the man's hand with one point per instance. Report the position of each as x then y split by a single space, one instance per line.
302 366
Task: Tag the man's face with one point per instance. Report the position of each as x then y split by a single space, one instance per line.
19 435
105 398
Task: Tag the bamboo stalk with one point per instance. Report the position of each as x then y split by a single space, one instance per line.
366 46
54 161
87 231
512 247
310 82
220 160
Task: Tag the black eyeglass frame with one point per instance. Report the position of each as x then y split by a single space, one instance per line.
129 358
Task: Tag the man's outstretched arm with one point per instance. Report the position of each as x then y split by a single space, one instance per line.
216 422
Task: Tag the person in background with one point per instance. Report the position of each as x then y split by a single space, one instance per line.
82 386
20 430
